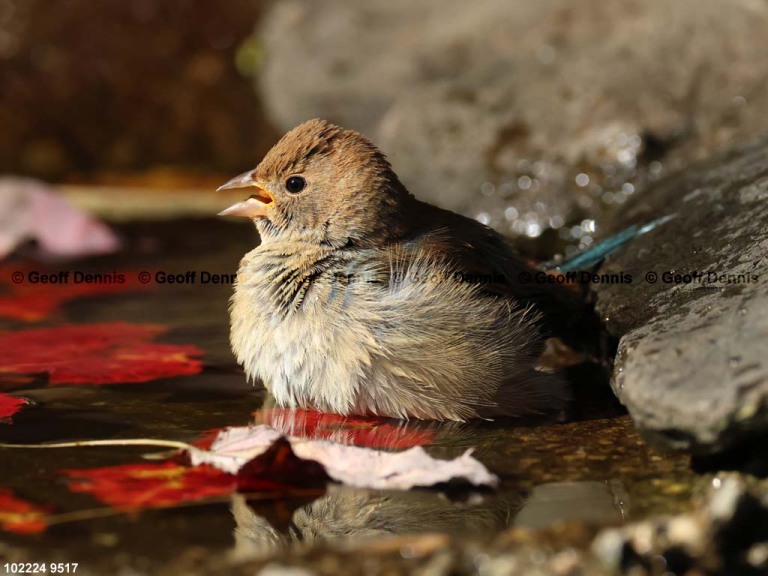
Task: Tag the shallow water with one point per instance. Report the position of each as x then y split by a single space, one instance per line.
596 469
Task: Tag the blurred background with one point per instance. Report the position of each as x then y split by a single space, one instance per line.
539 118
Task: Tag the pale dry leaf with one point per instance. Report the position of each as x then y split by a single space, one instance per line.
350 465
32 210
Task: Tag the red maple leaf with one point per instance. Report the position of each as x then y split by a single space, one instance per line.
9 405
20 516
106 353
363 431
33 302
136 486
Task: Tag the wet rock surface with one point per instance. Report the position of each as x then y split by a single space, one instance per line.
530 116
694 321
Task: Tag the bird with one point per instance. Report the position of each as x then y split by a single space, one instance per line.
362 299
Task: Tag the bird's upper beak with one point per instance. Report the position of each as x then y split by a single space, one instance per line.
255 205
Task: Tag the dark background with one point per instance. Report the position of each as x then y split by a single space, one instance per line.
116 87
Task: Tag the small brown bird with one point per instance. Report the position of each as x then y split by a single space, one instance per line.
361 299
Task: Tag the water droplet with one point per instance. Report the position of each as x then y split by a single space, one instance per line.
582 179
510 213
556 221
626 157
588 225
628 188
487 189
524 182
506 188
539 169
533 230
608 169
483 218
716 483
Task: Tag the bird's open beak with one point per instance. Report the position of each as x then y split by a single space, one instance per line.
255 205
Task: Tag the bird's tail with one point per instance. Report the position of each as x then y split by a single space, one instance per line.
532 394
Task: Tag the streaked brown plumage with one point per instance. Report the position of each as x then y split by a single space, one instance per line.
357 300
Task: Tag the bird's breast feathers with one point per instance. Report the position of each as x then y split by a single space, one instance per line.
383 332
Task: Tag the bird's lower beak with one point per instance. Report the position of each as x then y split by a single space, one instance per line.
254 206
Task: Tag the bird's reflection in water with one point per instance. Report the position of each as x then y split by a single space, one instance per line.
346 513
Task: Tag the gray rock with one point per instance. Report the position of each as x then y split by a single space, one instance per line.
691 366
494 108
724 533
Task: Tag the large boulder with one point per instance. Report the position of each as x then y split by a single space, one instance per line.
692 367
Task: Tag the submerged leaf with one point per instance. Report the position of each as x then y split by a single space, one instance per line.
10 405
20 516
106 353
32 302
136 486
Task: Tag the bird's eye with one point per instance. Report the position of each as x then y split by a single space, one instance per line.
295 184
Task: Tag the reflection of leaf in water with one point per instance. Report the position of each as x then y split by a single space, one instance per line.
366 431
20 516
278 468
136 486
107 353
10 405
34 302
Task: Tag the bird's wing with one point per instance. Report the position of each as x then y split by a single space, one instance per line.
482 253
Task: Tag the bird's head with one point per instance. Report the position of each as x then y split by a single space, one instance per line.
321 183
